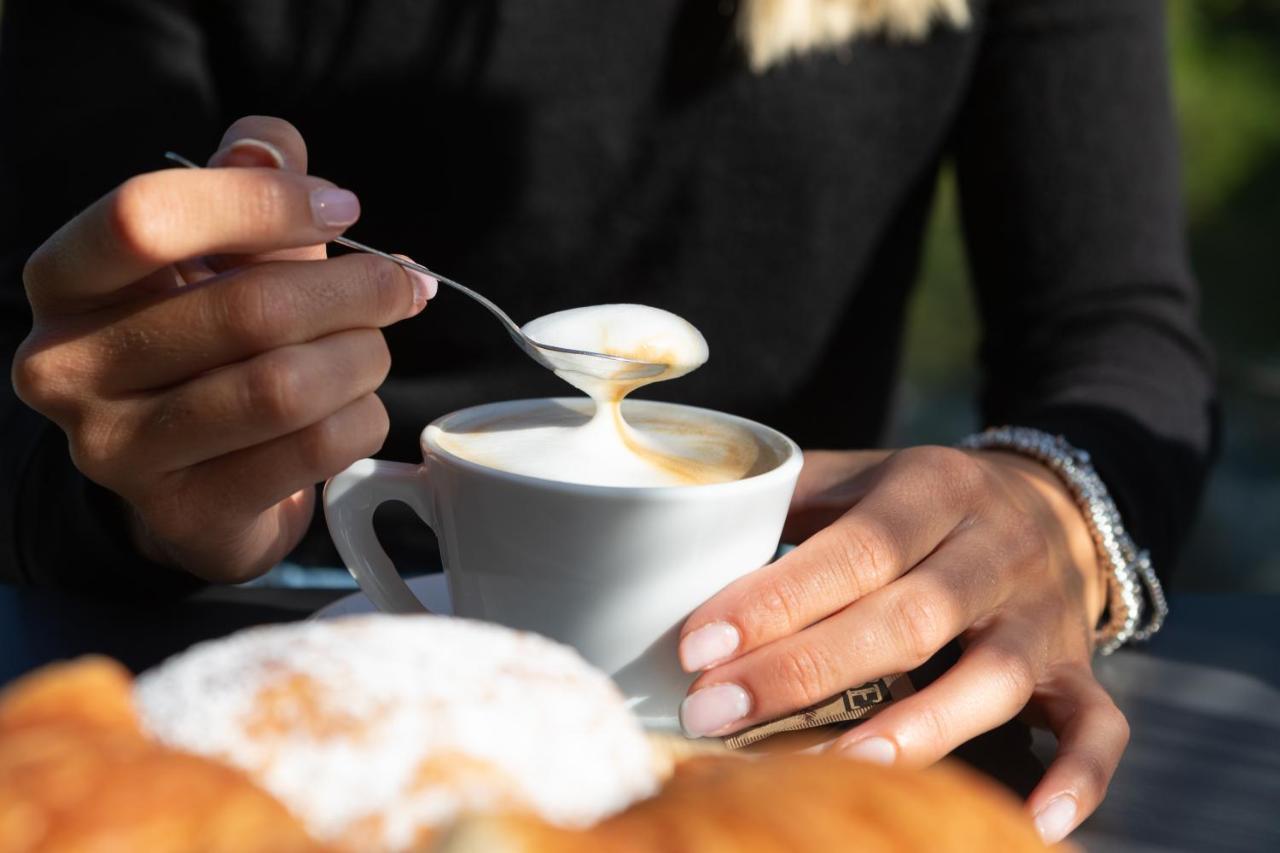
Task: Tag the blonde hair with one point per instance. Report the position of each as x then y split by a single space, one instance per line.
772 30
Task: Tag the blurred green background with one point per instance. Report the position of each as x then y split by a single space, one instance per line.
1226 68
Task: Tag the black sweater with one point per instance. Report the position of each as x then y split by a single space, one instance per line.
555 153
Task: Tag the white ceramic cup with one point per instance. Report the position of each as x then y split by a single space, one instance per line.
612 571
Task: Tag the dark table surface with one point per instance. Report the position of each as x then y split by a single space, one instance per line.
1202 772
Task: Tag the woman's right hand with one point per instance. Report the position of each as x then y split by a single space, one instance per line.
206 361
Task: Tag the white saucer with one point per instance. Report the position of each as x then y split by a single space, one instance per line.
431 590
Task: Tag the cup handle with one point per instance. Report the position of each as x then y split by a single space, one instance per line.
349 501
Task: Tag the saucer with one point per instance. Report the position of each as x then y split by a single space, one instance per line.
431 590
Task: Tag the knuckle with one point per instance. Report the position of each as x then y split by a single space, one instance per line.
781 605
274 392
383 285
253 312
319 446
378 425
867 555
1026 539
926 455
35 270
1095 773
380 356
1012 673
805 673
932 726
136 218
84 451
959 471
333 443
919 626
1119 721
36 375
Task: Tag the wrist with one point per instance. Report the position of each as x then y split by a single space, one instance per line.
1131 579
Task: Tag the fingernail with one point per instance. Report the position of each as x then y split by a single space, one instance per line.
1055 821
334 208
873 750
424 286
712 708
249 152
709 644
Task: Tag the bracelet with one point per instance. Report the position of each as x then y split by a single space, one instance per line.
1131 568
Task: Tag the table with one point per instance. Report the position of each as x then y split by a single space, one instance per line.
1202 772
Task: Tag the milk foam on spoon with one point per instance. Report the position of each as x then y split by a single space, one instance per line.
630 331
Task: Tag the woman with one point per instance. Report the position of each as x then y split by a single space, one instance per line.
763 169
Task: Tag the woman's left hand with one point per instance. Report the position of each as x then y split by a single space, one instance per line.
900 553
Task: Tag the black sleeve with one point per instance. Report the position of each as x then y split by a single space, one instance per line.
1067 160
91 92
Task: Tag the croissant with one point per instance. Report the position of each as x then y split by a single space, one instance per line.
77 774
781 803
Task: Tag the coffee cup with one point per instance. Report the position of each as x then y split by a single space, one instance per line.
611 570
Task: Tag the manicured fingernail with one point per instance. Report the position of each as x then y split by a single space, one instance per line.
334 208
249 152
708 645
424 286
1056 820
712 708
873 750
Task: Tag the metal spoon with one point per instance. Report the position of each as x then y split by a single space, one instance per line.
596 364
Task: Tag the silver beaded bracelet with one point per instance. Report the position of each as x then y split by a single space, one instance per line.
1130 567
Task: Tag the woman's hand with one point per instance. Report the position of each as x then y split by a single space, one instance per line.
901 553
204 359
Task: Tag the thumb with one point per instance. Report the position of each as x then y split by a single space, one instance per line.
263 142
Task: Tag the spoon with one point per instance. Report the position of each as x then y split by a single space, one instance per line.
595 364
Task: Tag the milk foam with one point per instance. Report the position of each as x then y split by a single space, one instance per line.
574 444
566 440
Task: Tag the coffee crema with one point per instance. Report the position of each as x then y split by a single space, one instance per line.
602 447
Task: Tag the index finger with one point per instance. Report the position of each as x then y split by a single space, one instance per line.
159 218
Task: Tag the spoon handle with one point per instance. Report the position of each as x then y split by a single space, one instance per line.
414 265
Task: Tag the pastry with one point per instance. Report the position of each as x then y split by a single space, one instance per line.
378 730
77 774
781 803
421 733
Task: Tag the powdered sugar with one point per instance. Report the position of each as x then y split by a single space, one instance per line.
373 728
